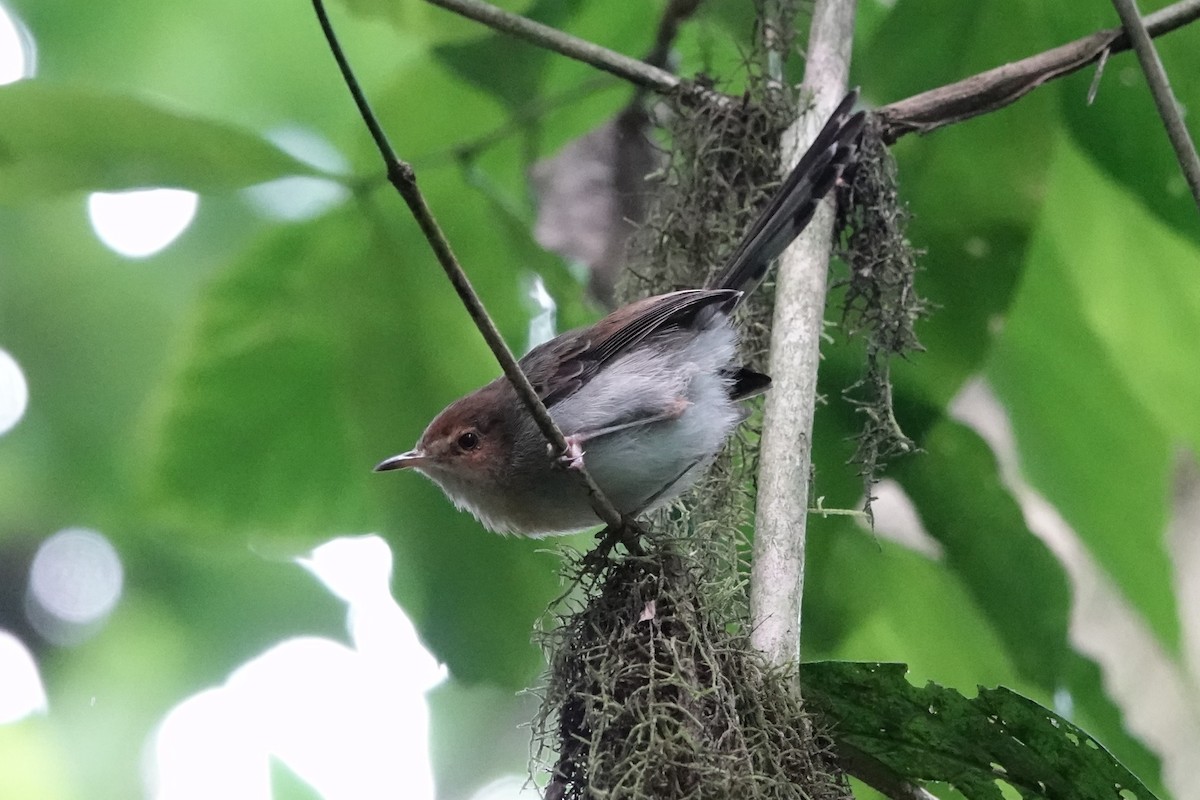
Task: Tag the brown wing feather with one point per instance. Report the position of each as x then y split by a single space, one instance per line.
562 366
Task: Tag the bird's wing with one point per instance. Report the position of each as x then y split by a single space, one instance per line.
562 366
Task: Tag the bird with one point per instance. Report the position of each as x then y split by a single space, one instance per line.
646 397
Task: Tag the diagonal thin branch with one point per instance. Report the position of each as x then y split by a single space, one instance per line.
1003 85
1164 98
631 69
402 177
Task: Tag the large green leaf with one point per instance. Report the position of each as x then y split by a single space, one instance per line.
986 747
1085 424
56 139
1135 280
871 599
1120 131
257 430
1014 579
322 351
994 606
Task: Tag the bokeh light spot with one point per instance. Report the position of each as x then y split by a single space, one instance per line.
141 222
543 323
21 691
18 51
14 392
301 197
349 721
296 198
74 582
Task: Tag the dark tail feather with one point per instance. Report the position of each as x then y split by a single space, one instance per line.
789 211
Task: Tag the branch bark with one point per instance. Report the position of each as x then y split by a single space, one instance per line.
777 571
631 69
1164 98
1003 85
921 113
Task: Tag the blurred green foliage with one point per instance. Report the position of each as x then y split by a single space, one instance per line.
227 397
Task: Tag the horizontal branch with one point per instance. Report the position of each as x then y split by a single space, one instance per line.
971 97
1003 85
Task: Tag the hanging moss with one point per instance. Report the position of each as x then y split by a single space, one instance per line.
881 302
654 690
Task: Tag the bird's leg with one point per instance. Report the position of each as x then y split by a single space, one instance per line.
572 457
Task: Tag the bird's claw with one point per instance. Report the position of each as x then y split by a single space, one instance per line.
572 457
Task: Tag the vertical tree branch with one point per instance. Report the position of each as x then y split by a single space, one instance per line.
1164 98
777 573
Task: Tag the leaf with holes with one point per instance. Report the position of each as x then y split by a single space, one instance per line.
986 747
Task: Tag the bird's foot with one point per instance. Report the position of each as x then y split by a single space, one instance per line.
572 457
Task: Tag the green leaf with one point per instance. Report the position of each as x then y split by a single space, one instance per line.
256 432
476 61
1087 436
323 350
983 746
56 139
287 785
871 599
1013 578
1120 132
1135 280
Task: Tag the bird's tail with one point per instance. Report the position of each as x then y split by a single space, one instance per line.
789 211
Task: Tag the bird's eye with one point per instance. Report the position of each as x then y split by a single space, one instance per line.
468 440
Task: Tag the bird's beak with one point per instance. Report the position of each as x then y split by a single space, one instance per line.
413 458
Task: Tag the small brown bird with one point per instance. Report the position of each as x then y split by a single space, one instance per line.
647 396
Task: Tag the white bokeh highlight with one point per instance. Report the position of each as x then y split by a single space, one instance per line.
14 392
509 787
18 52
543 324
75 581
301 197
21 690
351 722
141 222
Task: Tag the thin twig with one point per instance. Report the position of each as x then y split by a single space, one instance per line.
998 87
777 568
1164 98
401 176
631 69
